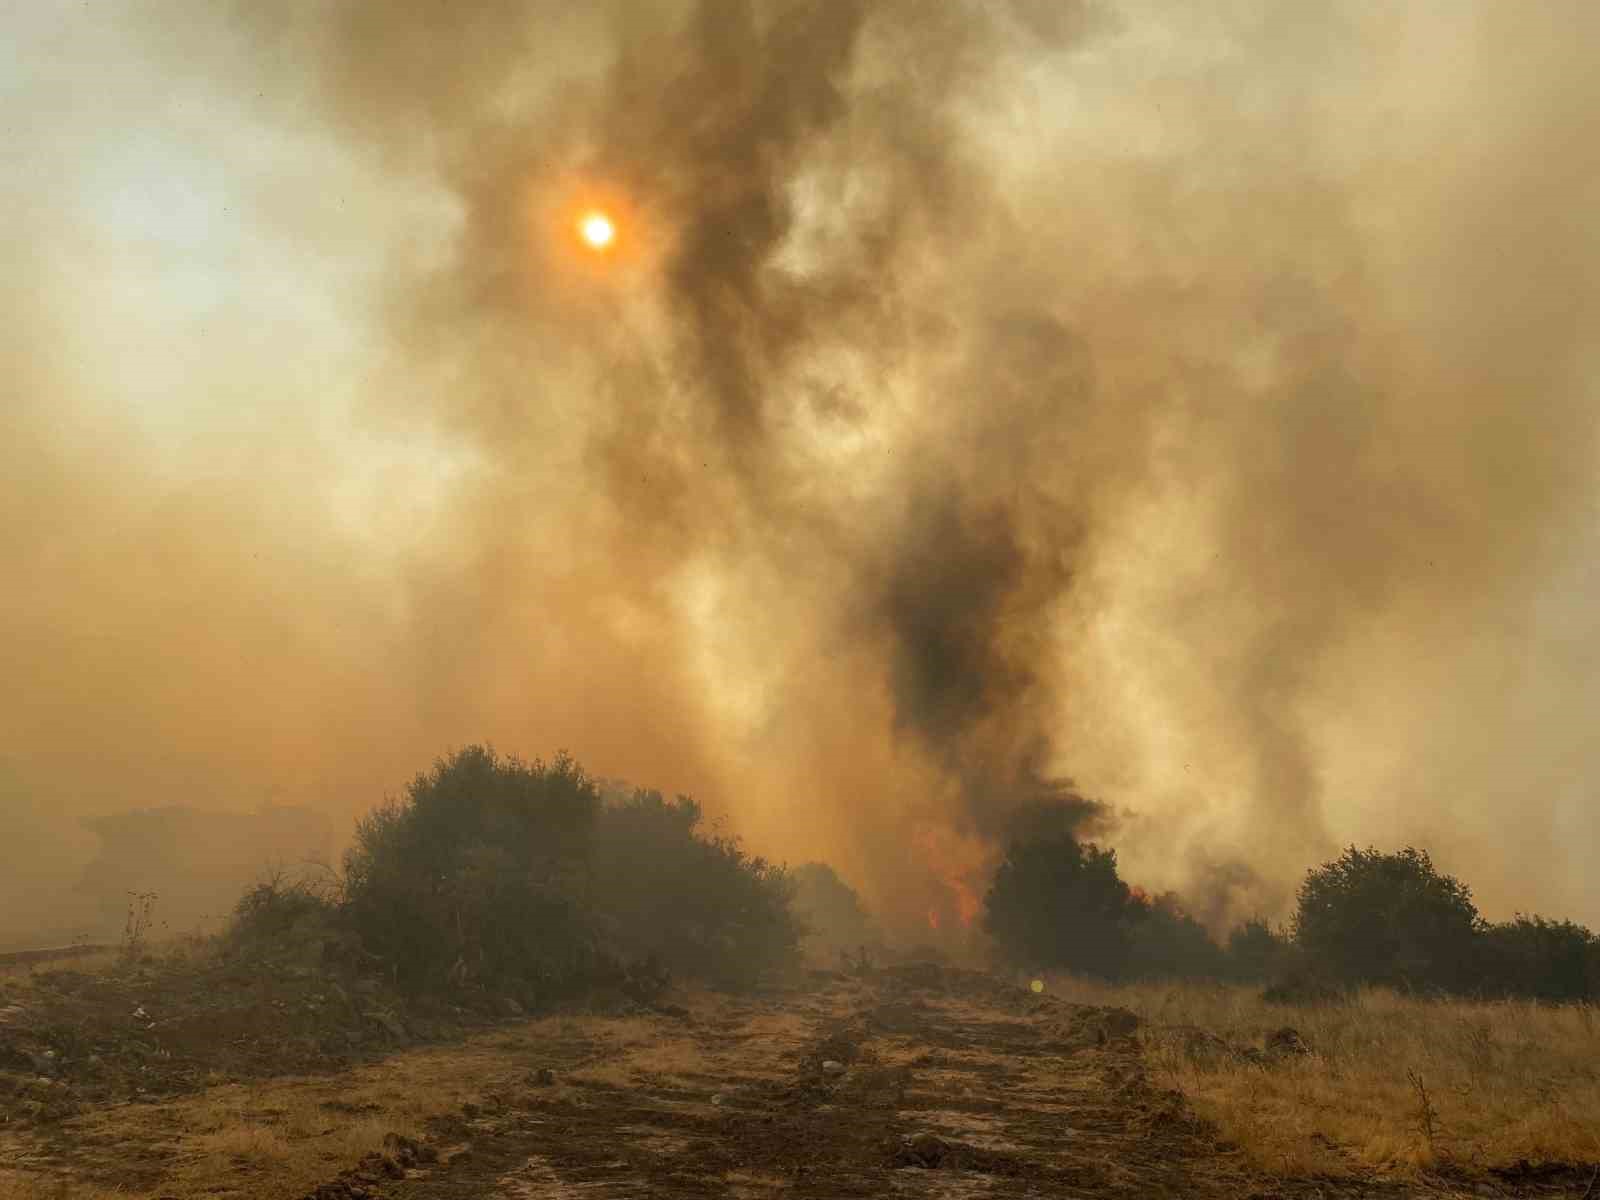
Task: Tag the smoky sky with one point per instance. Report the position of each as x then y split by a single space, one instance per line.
1196 405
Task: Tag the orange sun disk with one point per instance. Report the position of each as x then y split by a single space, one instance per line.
597 230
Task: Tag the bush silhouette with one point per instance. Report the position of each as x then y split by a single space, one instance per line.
1389 919
478 873
496 872
1056 902
1548 960
1257 952
699 904
286 919
1166 942
830 911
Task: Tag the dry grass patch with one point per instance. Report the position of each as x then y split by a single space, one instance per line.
275 1138
638 1052
14 1186
93 962
1393 1083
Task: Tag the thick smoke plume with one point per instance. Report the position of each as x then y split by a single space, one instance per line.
1197 403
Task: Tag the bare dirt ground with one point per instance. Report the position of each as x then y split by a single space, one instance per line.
912 1081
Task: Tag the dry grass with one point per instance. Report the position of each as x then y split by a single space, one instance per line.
94 962
1503 1081
277 1138
18 1187
177 950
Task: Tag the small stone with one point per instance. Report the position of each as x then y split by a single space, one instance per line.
543 1077
831 1067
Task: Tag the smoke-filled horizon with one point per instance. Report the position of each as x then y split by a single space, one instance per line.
1196 405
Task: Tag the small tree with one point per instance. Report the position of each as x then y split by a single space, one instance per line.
1058 903
1387 918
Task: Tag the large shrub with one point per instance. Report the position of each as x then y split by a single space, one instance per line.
1529 956
1056 902
478 874
286 918
1387 918
1256 951
1165 942
830 912
694 900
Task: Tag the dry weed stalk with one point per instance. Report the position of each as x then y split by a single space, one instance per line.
1427 1114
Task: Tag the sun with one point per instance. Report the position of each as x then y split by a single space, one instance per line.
597 230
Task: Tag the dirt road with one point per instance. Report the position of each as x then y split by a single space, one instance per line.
918 1082
913 1081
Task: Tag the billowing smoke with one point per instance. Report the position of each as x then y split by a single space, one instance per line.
1196 403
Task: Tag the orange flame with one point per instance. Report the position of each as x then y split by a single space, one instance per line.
953 862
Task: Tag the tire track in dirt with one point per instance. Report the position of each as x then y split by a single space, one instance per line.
915 1082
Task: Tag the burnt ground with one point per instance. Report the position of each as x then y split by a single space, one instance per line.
912 1081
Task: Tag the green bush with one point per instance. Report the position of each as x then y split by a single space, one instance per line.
495 872
830 912
1165 942
478 874
1547 960
1056 902
1256 951
1388 919
697 902
289 919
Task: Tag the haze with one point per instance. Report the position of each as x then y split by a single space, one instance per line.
1196 402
